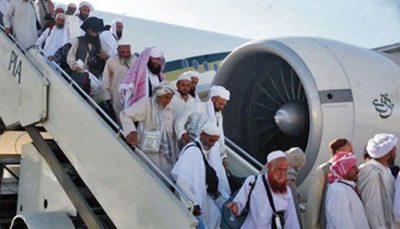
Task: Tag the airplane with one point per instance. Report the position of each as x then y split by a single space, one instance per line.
76 169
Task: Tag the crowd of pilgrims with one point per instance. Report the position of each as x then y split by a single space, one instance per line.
184 136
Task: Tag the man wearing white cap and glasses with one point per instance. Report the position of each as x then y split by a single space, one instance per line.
182 100
114 71
143 76
262 213
73 23
376 183
195 175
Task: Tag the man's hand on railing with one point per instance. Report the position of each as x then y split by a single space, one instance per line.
7 30
196 210
131 138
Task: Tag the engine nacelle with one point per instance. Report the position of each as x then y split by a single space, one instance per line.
305 92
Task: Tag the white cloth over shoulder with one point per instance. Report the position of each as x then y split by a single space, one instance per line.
53 39
260 212
344 208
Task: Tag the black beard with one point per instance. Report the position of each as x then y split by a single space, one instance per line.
154 69
82 17
90 39
193 92
119 35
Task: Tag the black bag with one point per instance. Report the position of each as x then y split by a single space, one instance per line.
237 222
278 217
83 80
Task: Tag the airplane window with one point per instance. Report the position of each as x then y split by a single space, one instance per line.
184 63
195 64
215 67
205 65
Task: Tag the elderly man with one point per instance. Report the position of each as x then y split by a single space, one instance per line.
315 214
157 138
183 101
344 208
23 17
71 8
376 182
87 52
264 210
195 175
53 38
143 77
73 23
111 37
114 71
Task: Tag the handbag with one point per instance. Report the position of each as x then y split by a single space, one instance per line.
150 141
229 222
278 217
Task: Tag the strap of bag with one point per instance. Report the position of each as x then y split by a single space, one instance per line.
247 205
271 201
44 8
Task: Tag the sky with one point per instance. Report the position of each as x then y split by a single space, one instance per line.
366 23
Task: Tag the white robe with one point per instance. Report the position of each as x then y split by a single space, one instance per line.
396 207
376 186
180 105
22 16
3 6
260 212
189 174
110 38
344 208
53 40
73 25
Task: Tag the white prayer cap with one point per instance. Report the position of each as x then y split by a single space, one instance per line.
211 129
156 52
72 5
58 6
219 91
184 76
85 3
123 42
194 74
381 144
163 88
275 155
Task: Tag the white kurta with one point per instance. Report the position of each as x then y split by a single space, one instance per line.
396 205
73 25
53 40
180 105
189 173
114 72
22 16
260 212
3 6
376 186
141 111
344 208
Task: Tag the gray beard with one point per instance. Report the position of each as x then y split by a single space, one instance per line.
125 61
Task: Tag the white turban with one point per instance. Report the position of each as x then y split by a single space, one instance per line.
381 144
123 42
163 88
85 3
156 52
58 6
184 76
194 74
73 5
275 155
211 129
219 91
296 157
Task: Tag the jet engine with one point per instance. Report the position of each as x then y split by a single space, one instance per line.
305 92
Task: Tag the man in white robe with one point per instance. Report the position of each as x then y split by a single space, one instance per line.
376 182
114 71
189 173
73 23
195 77
111 37
55 37
344 208
71 8
22 16
183 101
260 215
3 9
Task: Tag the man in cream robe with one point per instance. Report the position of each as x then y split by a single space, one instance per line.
189 174
153 114
114 72
260 214
22 16
376 183
55 37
